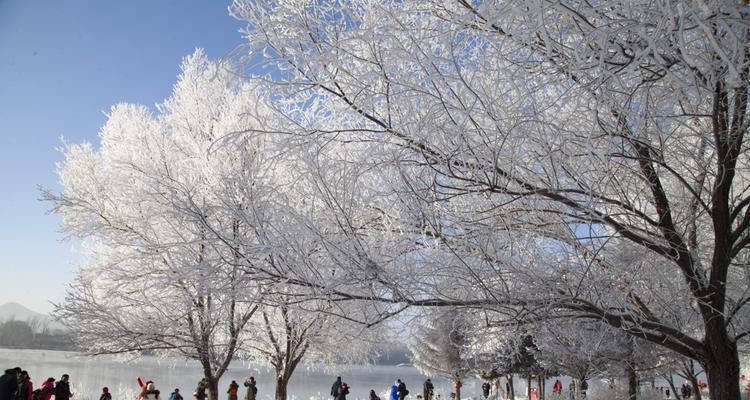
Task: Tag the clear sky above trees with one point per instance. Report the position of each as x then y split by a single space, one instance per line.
63 65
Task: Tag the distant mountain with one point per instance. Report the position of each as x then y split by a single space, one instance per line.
18 312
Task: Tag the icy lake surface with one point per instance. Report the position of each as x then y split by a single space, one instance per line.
89 375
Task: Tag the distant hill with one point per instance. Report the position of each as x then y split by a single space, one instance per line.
18 312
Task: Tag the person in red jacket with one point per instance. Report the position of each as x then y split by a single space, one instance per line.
557 387
143 386
48 388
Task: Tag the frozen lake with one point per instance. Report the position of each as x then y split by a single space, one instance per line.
89 375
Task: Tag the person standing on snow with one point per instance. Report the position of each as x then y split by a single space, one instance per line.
427 389
572 390
252 388
343 391
585 387
233 389
62 389
486 389
48 388
175 395
200 390
105 394
394 392
557 387
335 388
402 392
151 393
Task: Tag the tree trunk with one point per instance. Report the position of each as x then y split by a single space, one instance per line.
722 364
540 385
692 377
512 394
696 389
457 385
723 378
632 382
281 384
213 388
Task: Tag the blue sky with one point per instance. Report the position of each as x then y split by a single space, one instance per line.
62 65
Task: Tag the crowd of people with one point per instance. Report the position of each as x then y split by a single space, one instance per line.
16 384
398 391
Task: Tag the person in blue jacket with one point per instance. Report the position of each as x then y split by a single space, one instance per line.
394 392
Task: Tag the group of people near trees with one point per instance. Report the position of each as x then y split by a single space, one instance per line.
16 384
149 391
398 390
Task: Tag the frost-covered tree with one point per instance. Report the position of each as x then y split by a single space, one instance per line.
285 334
554 157
201 232
440 345
156 279
584 350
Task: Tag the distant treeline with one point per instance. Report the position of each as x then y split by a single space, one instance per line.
395 356
32 334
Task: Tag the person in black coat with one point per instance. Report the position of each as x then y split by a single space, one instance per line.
402 392
25 387
335 388
62 389
9 384
428 389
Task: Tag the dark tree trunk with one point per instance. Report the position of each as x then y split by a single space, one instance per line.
670 380
632 382
281 385
688 372
213 388
696 389
540 385
723 378
457 385
722 364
